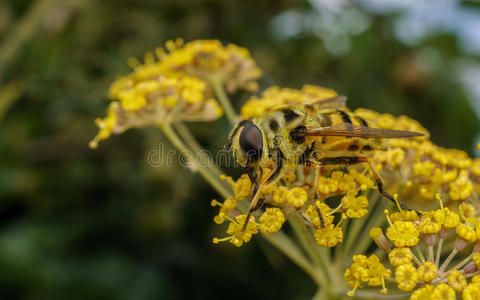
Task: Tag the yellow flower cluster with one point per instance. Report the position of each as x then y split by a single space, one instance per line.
275 97
147 101
424 167
270 221
177 86
178 83
293 197
424 272
367 270
211 61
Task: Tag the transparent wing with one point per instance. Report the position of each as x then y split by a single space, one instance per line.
350 130
331 103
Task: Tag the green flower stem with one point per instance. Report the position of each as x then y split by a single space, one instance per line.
212 179
376 295
419 253
305 238
430 254
279 240
377 219
439 252
192 143
448 260
224 101
462 263
9 93
356 225
283 243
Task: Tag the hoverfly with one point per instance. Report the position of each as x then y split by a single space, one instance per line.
311 135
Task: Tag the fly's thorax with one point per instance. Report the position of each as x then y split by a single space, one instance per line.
277 126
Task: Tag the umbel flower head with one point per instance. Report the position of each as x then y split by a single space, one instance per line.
211 61
150 96
428 254
419 269
177 85
275 97
425 167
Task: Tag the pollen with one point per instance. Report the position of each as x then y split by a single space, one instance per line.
446 217
271 220
400 256
427 271
456 280
466 232
403 233
367 270
406 277
471 292
211 61
355 207
443 291
467 210
429 225
476 259
238 236
107 125
329 236
275 97
423 293
225 208
241 187
279 195
296 197
327 185
461 188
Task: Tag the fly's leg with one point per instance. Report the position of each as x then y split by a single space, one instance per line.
257 202
252 174
316 194
379 182
350 160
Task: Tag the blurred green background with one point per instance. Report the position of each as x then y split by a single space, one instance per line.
77 223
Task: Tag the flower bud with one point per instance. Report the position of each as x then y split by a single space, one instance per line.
379 238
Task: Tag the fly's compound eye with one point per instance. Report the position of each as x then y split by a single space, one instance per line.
251 142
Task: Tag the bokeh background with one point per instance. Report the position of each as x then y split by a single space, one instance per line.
77 223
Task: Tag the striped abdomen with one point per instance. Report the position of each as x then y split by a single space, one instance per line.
341 146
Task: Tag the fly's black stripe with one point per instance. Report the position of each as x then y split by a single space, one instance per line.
341 160
289 115
344 116
367 148
353 147
273 124
362 121
296 134
279 166
324 139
